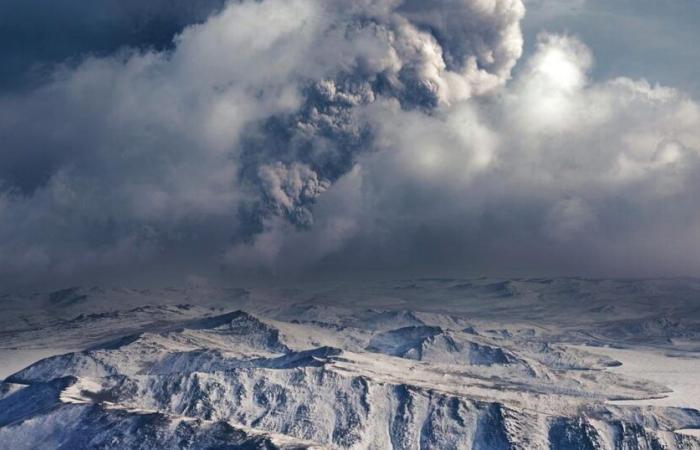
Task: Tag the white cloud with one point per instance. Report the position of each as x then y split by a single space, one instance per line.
341 134
555 174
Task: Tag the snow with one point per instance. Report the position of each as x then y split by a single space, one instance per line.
484 363
681 374
80 392
690 432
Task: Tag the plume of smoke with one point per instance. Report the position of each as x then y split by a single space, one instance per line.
368 133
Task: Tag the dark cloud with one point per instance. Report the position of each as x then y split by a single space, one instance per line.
35 35
305 137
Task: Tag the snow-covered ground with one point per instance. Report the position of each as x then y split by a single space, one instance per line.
679 372
430 363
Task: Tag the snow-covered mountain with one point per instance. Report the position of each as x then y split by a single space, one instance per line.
431 363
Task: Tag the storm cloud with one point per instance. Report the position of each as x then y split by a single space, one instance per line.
36 35
304 137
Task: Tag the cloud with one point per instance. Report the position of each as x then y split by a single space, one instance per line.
35 36
307 137
556 173
290 189
627 48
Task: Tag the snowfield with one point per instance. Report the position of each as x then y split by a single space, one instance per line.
680 373
429 363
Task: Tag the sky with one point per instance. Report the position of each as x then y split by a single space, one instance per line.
174 141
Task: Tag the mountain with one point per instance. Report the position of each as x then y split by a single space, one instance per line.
443 364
